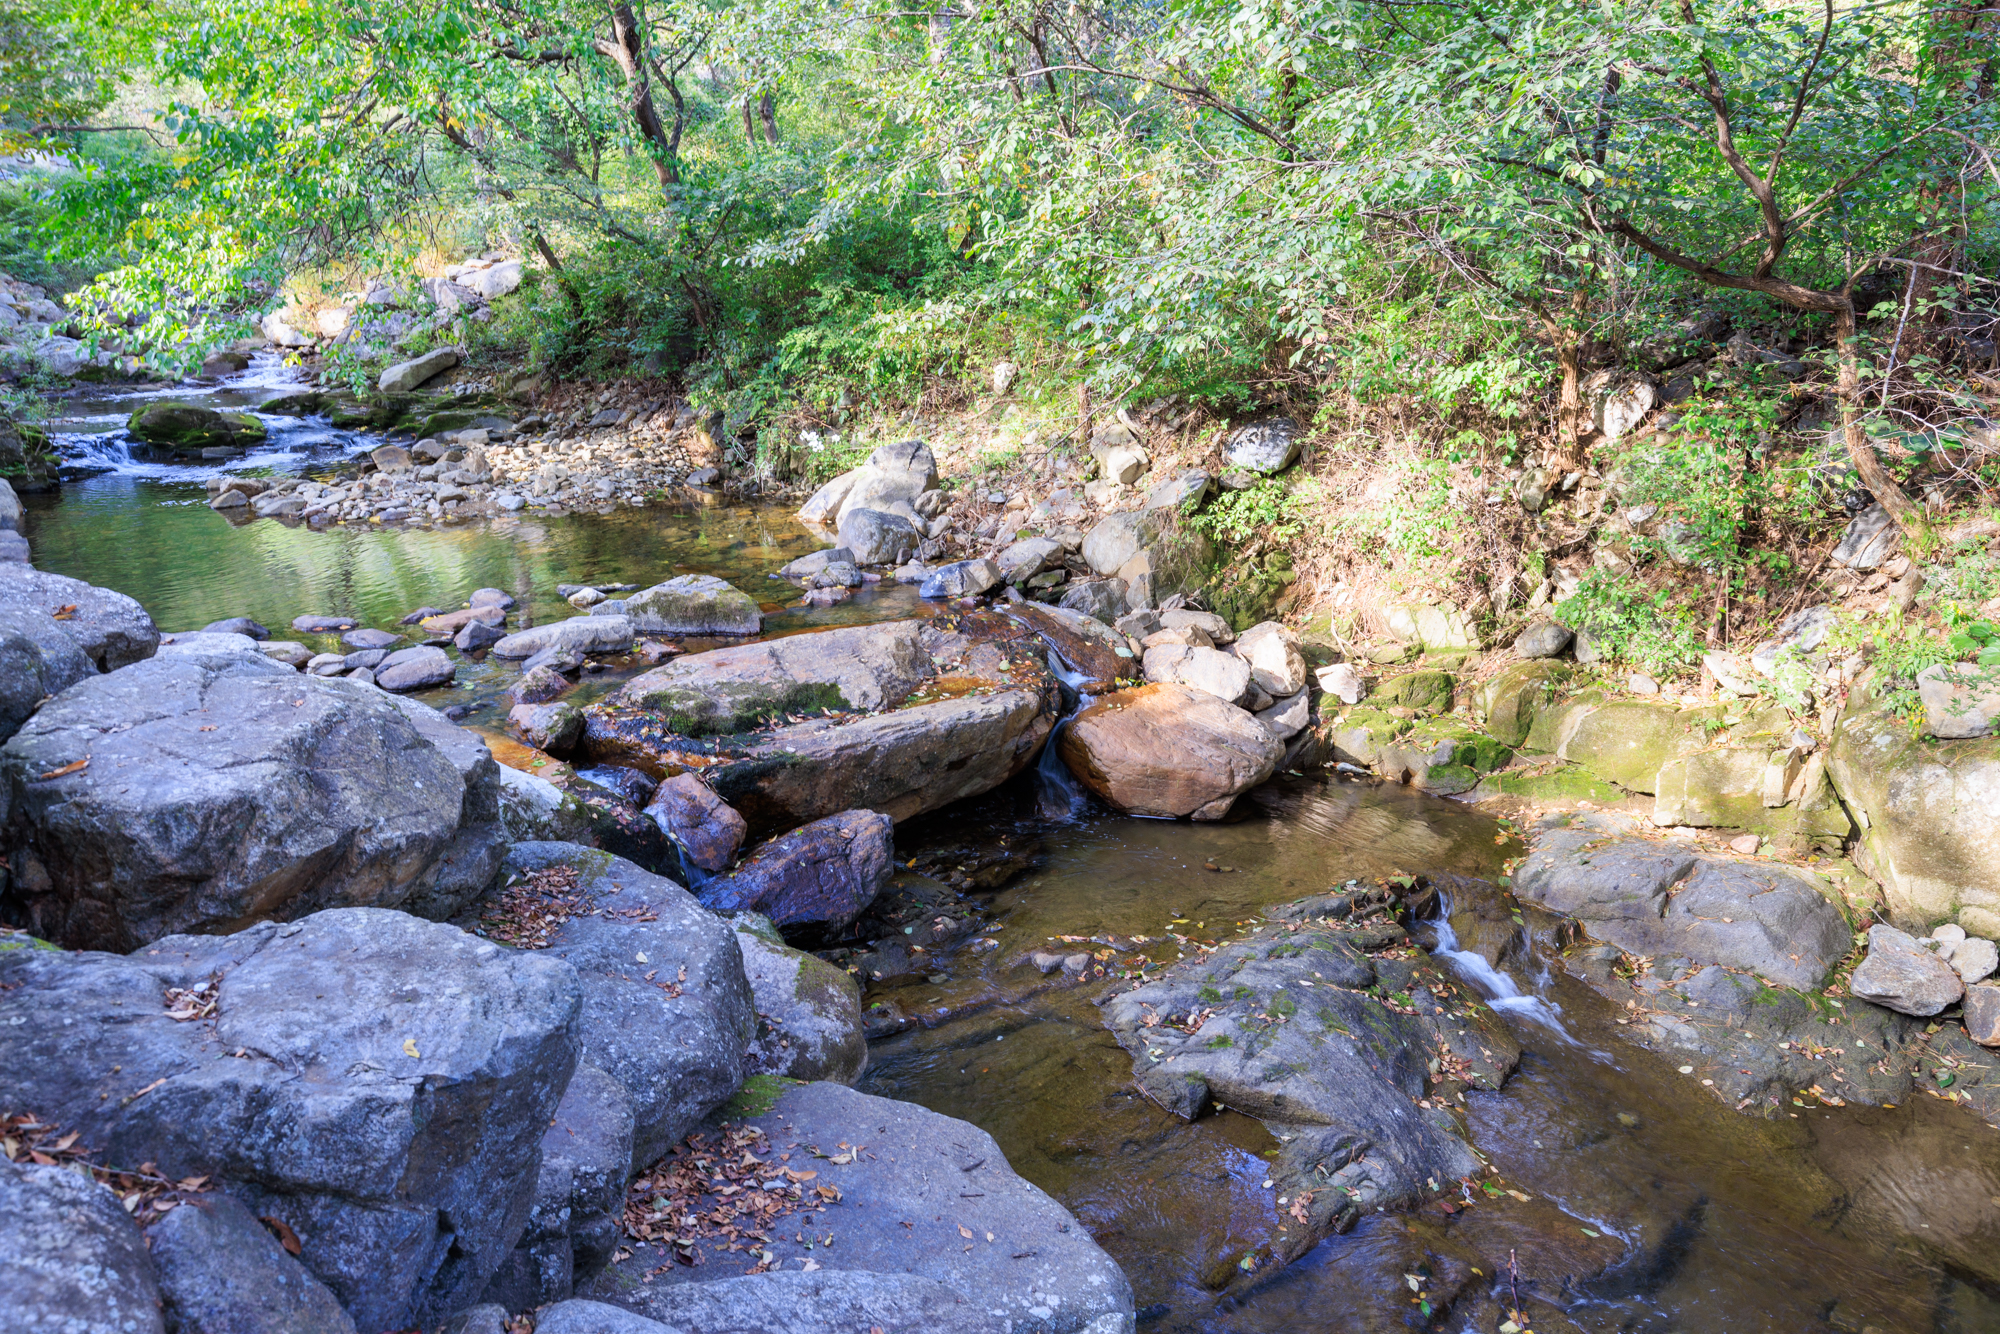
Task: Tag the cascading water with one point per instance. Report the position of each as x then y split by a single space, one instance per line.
1500 990
1058 796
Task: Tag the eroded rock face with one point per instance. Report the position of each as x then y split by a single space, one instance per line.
378 1083
236 790
674 1042
1041 1271
814 880
71 1259
1279 1025
693 604
1656 899
1169 750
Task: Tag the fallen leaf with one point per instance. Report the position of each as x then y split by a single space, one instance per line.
76 766
965 1232
283 1232
410 1048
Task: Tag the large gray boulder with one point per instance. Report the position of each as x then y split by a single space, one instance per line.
419 668
890 482
71 1260
816 879
1041 1271
578 634
963 578
1654 899
37 660
467 864
377 1083
706 829
222 1272
1267 446
203 792
1153 552
110 628
667 1011
737 688
1209 670
876 537
579 1195
694 604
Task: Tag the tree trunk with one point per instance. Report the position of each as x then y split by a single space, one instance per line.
1909 516
749 125
767 111
627 50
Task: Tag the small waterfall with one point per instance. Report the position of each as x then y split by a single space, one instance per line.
1499 989
1058 796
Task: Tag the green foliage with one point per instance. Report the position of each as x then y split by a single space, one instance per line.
1273 508
1418 514
1711 478
1652 629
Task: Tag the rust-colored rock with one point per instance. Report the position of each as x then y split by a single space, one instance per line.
1169 750
706 827
813 880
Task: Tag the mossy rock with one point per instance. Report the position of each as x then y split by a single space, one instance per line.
1508 704
189 428
1627 741
1423 691
457 419
724 708
1567 785
26 461
759 1094
1360 734
1432 754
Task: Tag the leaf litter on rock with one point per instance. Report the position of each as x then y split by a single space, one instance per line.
718 1188
143 1192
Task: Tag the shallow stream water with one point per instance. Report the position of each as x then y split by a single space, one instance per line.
1678 1213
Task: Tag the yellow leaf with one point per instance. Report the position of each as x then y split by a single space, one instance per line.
410 1048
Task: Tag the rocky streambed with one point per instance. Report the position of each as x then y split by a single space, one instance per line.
348 1015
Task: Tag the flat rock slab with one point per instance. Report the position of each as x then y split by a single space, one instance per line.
734 689
579 634
322 625
420 668
816 879
694 604
111 629
231 789
1290 1024
942 1177
1661 900
1169 750
667 1011
71 1259
786 1303
378 1083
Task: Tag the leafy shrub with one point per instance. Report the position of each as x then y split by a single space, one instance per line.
1653 630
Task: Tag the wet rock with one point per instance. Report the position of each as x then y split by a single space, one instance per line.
237 625
693 604
1276 1025
839 574
534 810
1272 653
805 567
490 597
671 1027
572 1228
579 634
71 1259
1544 639
1099 653
37 660
1903 976
815 880
444 624
1865 543
1265 447
377 1083
965 578
1040 1271
876 538
1169 750
539 685
1210 671
330 795
222 1272
420 668
706 828
476 635
808 1011
737 688
405 376
366 639
188 428
551 727
110 628
319 625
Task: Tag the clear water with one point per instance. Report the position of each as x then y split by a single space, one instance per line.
1704 1220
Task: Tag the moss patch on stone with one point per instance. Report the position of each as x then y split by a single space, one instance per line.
759 1094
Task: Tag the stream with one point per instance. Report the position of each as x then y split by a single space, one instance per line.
1856 1219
